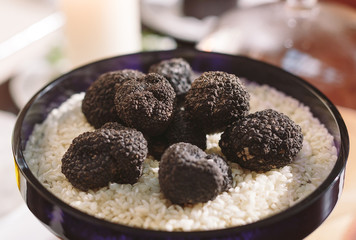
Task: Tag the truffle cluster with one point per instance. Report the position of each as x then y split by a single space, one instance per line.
110 154
216 99
98 104
261 141
188 175
136 113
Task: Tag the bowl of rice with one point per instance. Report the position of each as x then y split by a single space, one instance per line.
285 203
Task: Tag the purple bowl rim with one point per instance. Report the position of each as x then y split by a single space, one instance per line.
285 214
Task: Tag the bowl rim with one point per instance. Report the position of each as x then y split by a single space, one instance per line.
333 176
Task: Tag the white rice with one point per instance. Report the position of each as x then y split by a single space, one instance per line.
254 196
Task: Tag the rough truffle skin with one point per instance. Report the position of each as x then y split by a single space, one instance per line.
84 165
187 175
225 169
262 141
105 155
115 125
146 104
130 150
183 129
98 104
177 71
215 100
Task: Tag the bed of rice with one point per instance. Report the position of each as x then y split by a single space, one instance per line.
253 196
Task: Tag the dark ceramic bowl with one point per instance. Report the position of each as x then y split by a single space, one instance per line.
68 223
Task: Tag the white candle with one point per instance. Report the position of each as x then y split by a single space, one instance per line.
97 29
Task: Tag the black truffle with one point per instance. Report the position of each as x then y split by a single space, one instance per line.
183 129
105 155
187 175
130 150
225 169
146 104
177 71
262 141
116 126
215 100
98 104
157 145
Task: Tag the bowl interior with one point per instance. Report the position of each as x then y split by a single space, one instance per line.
78 80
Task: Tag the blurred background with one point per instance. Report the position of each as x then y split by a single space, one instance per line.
41 39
